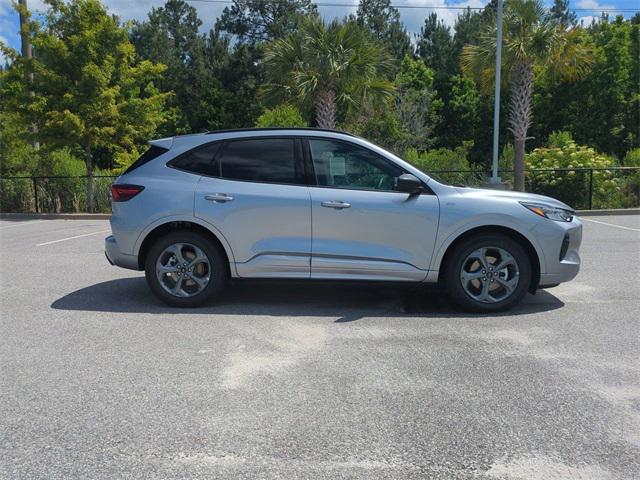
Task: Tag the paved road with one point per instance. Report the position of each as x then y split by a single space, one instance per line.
99 380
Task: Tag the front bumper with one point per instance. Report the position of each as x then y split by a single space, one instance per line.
560 243
116 257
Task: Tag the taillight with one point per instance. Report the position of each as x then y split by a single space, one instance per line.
122 193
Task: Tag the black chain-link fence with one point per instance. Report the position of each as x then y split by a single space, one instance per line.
581 188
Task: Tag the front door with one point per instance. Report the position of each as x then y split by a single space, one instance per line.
363 228
258 202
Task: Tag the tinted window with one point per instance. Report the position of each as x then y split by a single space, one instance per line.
339 164
200 160
260 160
151 153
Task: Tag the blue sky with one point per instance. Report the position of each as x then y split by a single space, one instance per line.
412 18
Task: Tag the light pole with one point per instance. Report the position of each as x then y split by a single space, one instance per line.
495 179
27 54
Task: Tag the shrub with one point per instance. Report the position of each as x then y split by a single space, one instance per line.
284 115
16 195
443 160
572 186
63 194
559 139
632 158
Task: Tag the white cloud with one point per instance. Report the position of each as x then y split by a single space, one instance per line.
139 10
588 19
593 4
596 7
412 18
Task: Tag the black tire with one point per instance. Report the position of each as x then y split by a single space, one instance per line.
219 272
459 256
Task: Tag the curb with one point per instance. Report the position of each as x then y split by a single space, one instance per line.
619 211
55 216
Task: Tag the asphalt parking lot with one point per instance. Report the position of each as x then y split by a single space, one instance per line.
283 380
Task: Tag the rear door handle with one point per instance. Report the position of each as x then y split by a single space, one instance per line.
336 204
218 197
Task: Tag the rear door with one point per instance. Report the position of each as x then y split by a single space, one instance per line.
257 198
362 227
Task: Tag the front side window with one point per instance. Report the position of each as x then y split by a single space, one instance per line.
200 160
344 165
260 160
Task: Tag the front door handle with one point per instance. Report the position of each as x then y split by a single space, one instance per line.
218 197
336 204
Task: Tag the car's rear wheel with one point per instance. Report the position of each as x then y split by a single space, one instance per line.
185 269
488 273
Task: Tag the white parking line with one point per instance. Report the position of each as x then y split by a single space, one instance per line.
71 238
21 224
610 224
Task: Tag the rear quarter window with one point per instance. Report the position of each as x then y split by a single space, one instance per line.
152 152
201 160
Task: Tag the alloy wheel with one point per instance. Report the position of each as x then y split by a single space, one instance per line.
490 274
183 270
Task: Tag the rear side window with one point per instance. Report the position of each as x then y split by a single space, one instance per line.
152 152
260 160
200 160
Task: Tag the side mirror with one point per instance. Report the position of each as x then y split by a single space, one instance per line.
409 183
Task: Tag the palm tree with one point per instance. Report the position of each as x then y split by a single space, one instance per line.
532 42
324 66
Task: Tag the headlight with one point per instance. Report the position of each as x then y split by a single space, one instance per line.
547 211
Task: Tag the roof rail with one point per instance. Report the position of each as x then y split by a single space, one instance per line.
267 129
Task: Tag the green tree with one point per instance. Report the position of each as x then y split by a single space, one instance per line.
326 66
259 21
434 45
411 121
530 40
469 26
171 36
464 110
607 113
417 105
383 21
284 115
562 15
90 94
17 155
602 109
460 112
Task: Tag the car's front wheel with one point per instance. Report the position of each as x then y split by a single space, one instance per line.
185 269
488 273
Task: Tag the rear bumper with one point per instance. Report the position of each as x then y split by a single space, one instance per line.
116 257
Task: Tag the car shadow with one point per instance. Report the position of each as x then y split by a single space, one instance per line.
346 300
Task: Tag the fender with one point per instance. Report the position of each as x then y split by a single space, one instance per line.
485 220
191 219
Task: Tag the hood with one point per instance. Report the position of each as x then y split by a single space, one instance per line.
508 194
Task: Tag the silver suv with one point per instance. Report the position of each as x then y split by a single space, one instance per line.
195 210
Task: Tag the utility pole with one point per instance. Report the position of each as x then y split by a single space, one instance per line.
27 54
495 179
